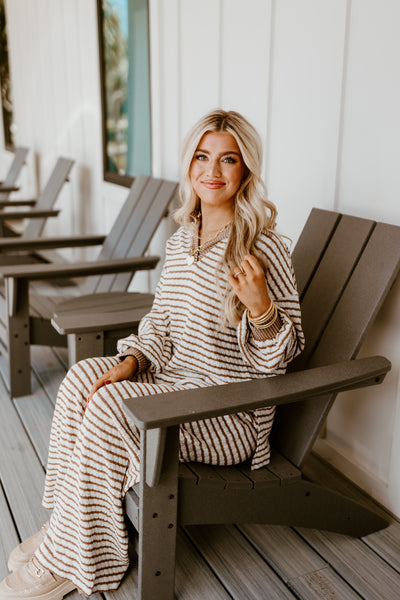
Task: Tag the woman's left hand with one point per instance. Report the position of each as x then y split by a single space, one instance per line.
249 283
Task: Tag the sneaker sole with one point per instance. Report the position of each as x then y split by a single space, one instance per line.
57 594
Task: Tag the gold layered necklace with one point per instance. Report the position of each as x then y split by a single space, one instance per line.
198 249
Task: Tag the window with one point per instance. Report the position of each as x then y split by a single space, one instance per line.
125 83
6 102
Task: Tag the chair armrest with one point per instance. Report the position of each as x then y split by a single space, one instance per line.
28 214
50 242
101 318
174 408
78 324
8 188
82 269
5 203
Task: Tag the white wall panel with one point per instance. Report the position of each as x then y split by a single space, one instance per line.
200 59
245 60
165 86
370 174
55 118
19 39
55 65
91 200
305 107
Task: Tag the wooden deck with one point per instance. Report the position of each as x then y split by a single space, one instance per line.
214 563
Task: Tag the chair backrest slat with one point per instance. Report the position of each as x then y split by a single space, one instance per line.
14 170
376 272
124 218
156 210
330 280
138 221
347 319
311 245
49 195
134 227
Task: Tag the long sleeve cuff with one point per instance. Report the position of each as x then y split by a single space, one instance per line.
143 361
268 333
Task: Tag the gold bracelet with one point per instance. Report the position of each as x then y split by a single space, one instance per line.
267 321
265 316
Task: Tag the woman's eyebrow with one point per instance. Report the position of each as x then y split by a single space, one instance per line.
222 153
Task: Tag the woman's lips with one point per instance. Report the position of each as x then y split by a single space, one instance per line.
213 184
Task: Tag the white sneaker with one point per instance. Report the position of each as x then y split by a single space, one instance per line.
31 582
25 550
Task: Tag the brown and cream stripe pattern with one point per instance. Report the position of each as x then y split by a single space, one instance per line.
94 454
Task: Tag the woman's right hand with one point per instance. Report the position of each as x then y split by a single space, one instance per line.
126 369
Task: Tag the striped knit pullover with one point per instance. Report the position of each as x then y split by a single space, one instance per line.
181 340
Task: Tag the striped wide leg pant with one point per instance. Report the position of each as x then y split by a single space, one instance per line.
94 459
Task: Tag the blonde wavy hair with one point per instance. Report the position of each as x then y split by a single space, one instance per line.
253 211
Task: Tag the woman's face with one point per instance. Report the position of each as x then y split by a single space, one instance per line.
217 169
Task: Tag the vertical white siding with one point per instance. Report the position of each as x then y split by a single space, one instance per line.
245 58
200 58
55 81
320 79
370 174
305 97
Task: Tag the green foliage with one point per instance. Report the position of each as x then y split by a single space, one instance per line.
5 78
115 47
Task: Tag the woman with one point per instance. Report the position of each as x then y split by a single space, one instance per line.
226 309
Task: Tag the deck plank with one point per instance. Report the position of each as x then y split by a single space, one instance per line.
36 414
49 368
364 570
22 475
386 544
237 564
322 584
300 567
8 535
194 580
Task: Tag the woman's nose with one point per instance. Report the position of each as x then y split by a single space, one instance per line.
214 168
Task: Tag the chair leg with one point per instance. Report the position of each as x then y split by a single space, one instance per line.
158 526
19 356
84 345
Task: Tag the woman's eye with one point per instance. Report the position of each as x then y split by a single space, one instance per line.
201 157
229 159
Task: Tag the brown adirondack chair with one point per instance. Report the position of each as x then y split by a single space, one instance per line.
27 315
345 266
9 184
41 209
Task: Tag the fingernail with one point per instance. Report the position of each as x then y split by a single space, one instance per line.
107 382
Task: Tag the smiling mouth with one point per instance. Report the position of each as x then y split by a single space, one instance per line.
213 184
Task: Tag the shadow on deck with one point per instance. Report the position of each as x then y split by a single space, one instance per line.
252 562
